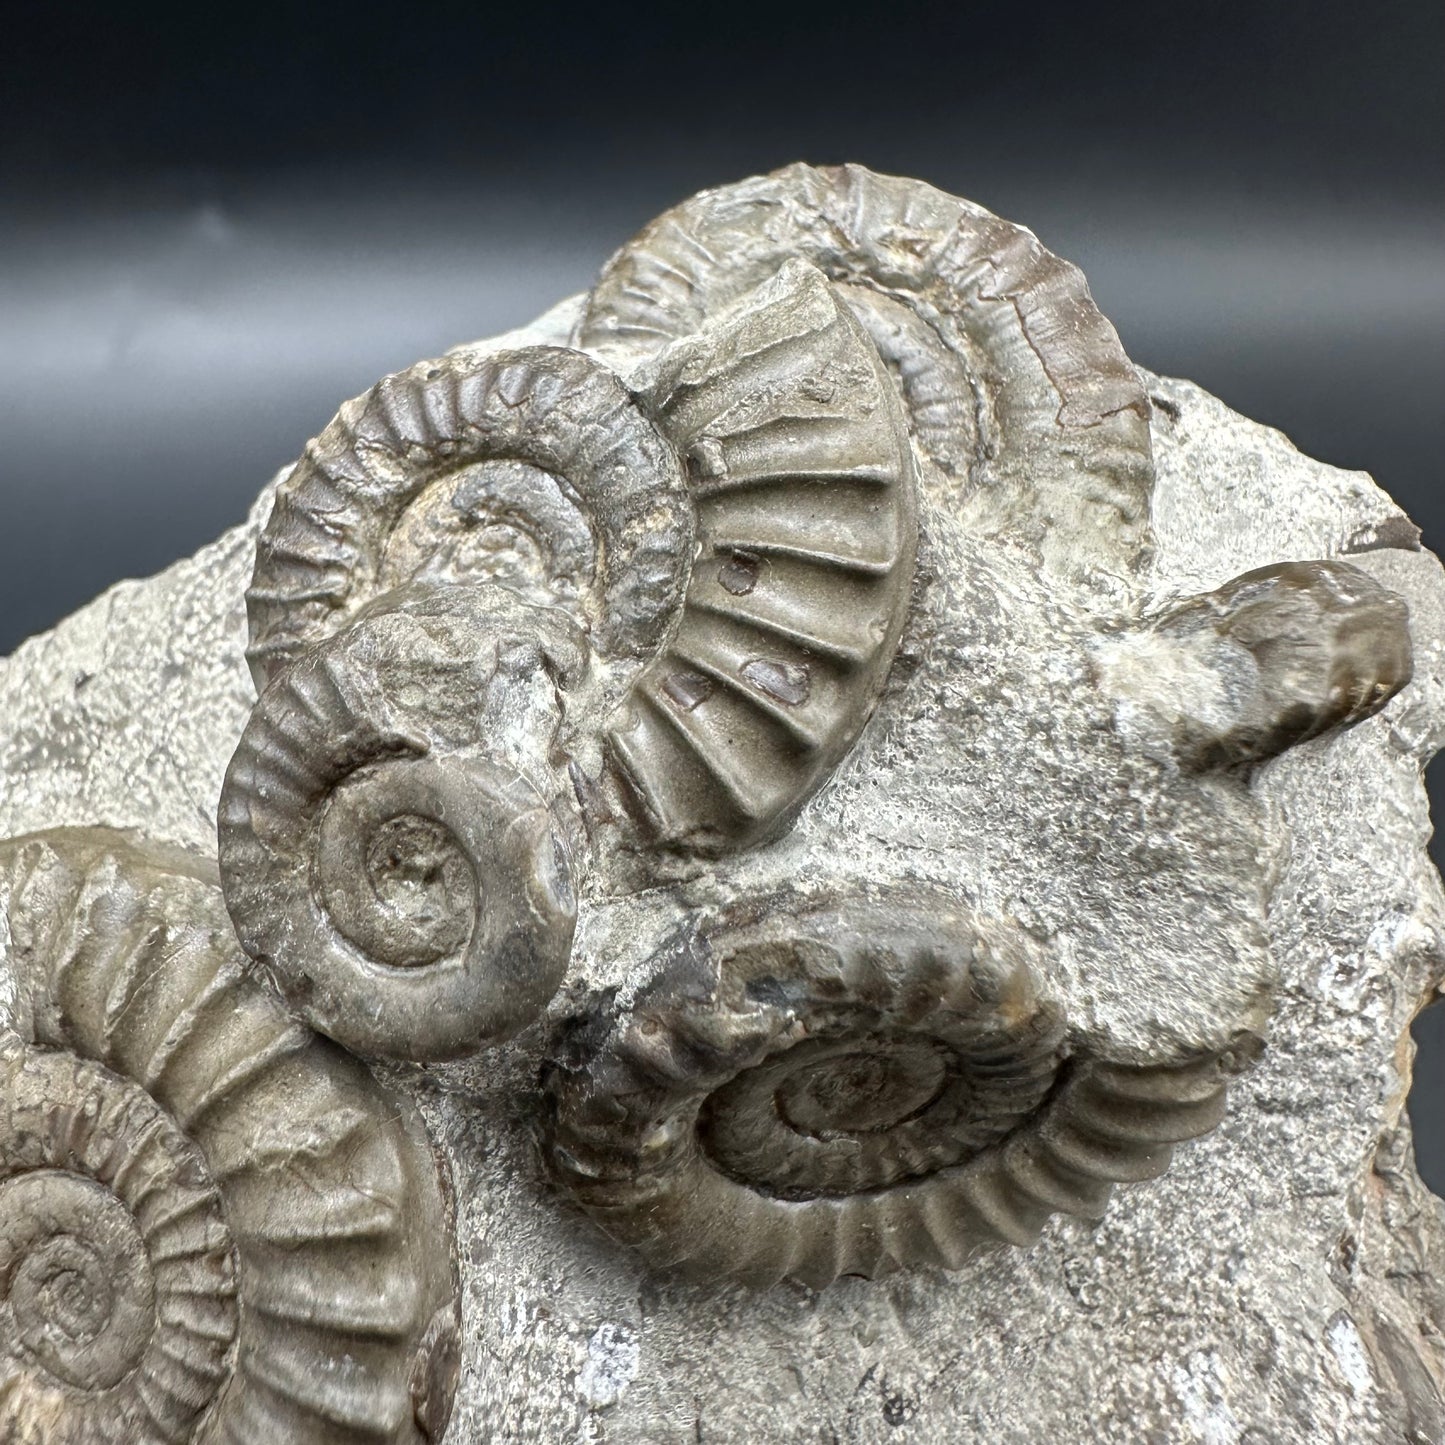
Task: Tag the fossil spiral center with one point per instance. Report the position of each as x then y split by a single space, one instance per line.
862 1108
76 1277
500 520
862 1092
418 873
397 883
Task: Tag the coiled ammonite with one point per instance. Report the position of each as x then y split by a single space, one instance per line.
399 825
851 1089
214 1226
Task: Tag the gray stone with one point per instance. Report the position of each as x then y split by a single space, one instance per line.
1169 905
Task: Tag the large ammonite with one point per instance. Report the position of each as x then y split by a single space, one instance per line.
479 618
1015 385
850 1089
214 1226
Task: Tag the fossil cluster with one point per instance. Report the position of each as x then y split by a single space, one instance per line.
838 476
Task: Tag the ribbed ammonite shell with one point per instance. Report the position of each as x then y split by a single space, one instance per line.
214 1226
802 480
383 852
532 467
850 1090
1294 650
1015 384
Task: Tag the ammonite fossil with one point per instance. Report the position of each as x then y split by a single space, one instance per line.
532 467
394 842
851 1089
214 1226
406 885
1016 387
1294 650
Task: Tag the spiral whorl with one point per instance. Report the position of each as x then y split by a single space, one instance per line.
851 1089
382 852
410 479
772 1103
213 1225
1016 386
117 1274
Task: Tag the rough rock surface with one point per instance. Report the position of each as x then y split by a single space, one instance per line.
1282 1283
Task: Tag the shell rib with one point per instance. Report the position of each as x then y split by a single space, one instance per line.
382 854
278 1224
1014 382
543 437
850 1090
803 483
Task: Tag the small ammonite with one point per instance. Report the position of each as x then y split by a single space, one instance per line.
851 1089
1285 653
383 851
214 1226
532 469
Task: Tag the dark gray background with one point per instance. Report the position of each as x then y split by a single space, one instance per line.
217 222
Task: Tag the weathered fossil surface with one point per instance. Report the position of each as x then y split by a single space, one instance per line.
1279 1283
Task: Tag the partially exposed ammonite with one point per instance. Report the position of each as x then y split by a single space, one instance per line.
851 1089
1271 659
213 1225
534 468
1015 385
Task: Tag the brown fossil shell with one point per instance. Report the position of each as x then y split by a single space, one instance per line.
803 484
214 1226
390 840
1015 385
410 479
1296 649
850 1089
406 886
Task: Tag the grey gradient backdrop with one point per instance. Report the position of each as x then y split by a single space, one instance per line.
215 226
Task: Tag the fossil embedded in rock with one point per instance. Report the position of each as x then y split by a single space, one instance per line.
1271 659
382 851
1016 388
213 1225
851 1090
386 834
543 438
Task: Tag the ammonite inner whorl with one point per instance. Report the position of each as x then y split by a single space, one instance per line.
382 853
772 1105
117 1273
1015 385
522 467
214 1226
